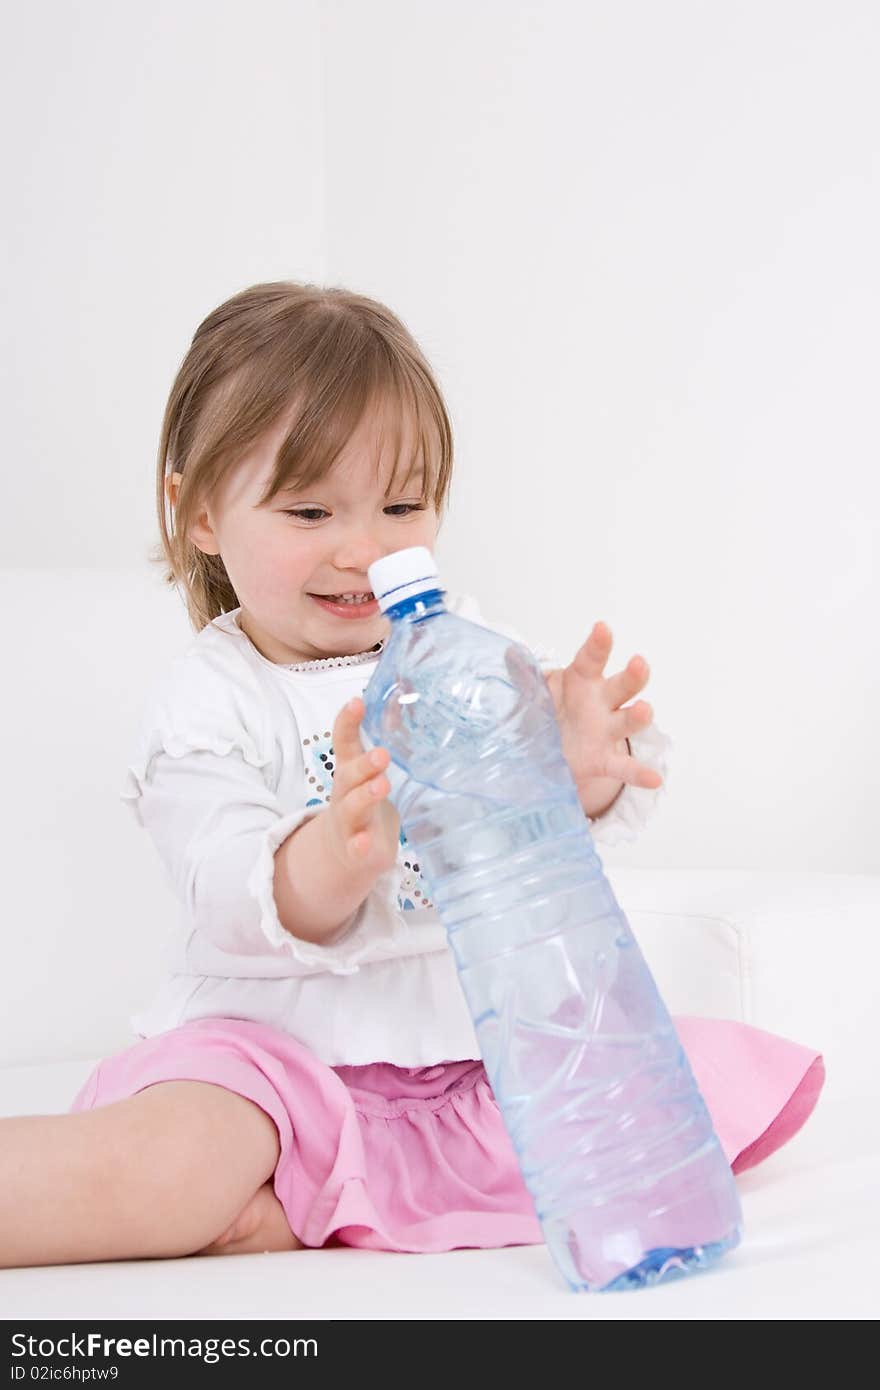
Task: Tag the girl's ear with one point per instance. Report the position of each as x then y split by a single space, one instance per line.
201 532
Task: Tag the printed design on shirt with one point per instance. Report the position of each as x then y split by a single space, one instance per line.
412 892
320 765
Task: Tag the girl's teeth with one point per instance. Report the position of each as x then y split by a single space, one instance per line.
342 598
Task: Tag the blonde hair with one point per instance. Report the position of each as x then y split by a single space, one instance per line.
270 347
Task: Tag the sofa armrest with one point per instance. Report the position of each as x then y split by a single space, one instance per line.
794 953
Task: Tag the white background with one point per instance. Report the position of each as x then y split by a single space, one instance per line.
638 243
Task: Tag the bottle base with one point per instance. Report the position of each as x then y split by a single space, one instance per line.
667 1264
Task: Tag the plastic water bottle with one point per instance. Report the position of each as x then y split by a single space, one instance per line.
614 1141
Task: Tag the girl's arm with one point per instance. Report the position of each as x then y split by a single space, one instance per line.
316 900
328 867
204 781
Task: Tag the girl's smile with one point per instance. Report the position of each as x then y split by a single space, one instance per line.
350 611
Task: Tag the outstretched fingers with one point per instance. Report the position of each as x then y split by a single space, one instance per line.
592 656
359 784
624 767
352 765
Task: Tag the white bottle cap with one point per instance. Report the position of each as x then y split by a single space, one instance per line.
403 574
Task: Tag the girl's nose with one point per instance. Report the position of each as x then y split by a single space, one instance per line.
358 552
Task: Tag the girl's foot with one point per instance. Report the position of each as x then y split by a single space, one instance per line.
260 1227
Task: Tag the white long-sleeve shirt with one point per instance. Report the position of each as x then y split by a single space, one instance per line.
235 751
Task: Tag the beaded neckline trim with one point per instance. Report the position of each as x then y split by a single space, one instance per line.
327 663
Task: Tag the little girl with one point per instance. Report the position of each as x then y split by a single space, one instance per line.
309 1074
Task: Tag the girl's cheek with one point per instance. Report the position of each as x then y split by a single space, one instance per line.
296 560
427 532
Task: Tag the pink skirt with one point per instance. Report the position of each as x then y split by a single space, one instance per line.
417 1159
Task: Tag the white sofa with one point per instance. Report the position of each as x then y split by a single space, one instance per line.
89 919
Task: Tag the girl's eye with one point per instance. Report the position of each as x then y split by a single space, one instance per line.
306 513
312 514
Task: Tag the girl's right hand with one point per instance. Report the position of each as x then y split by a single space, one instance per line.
363 825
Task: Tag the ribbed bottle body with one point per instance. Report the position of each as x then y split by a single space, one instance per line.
614 1141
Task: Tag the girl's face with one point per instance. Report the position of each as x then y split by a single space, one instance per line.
322 541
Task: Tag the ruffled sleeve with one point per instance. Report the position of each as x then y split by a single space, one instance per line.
202 784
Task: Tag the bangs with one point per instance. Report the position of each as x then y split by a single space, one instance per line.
405 427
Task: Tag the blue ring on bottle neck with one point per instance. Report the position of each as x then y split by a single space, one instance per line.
428 598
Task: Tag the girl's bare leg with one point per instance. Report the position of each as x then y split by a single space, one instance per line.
163 1173
261 1227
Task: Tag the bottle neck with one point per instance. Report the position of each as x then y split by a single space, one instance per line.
418 607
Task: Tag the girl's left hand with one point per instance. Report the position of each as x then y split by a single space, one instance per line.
592 722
